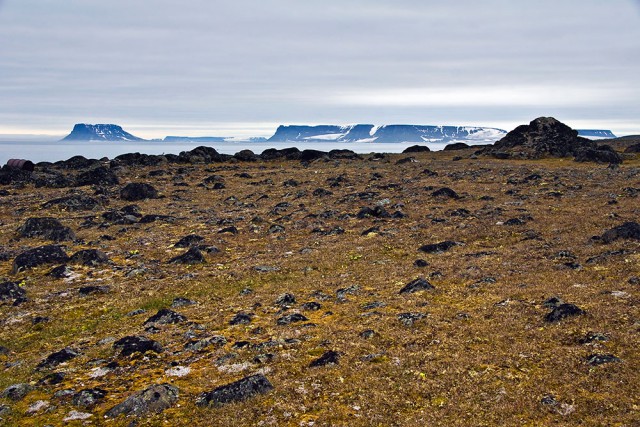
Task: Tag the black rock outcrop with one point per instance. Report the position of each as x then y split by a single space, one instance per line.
548 137
237 391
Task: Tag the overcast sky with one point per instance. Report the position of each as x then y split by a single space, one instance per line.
229 68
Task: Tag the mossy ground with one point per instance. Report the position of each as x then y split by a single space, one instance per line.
483 354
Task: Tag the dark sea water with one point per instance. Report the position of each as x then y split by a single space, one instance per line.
51 151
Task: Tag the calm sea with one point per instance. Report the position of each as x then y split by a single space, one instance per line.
51 151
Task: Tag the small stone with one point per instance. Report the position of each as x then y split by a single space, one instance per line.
285 300
57 358
328 358
601 359
192 256
419 284
12 292
553 302
77 416
291 318
241 319
408 319
182 302
165 317
420 263
311 306
188 241
368 334
37 406
445 192
89 257
178 371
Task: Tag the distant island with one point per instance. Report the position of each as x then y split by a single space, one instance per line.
329 133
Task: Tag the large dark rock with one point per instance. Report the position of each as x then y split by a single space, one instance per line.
48 254
628 230
97 176
89 257
602 154
188 241
237 391
246 156
543 137
563 311
77 163
192 256
14 176
633 149
132 344
420 284
75 202
12 292
165 316
311 155
416 149
601 359
456 146
286 153
46 228
137 159
202 154
291 318
152 400
138 191
57 358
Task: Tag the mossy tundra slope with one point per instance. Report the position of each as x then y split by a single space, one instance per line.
523 308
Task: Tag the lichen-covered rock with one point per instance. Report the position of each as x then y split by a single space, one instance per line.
48 254
97 176
328 358
16 392
132 344
628 230
75 202
138 191
152 400
237 391
46 228
88 397
12 292
89 257
165 316
563 311
57 358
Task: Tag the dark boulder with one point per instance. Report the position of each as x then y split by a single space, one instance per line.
445 193
165 316
601 154
77 163
563 311
632 149
14 176
408 319
152 400
41 255
192 256
628 230
311 155
328 358
286 153
246 156
202 154
543 137
60 272
75 202
89 257
285 300
138 191
235 392
97 176
438 248
337 154
419 284
137 159
12 292
241 319
57 358
291 318
188 241
375 212
52 179
92 290
416 149
46 228
132 344
456 146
